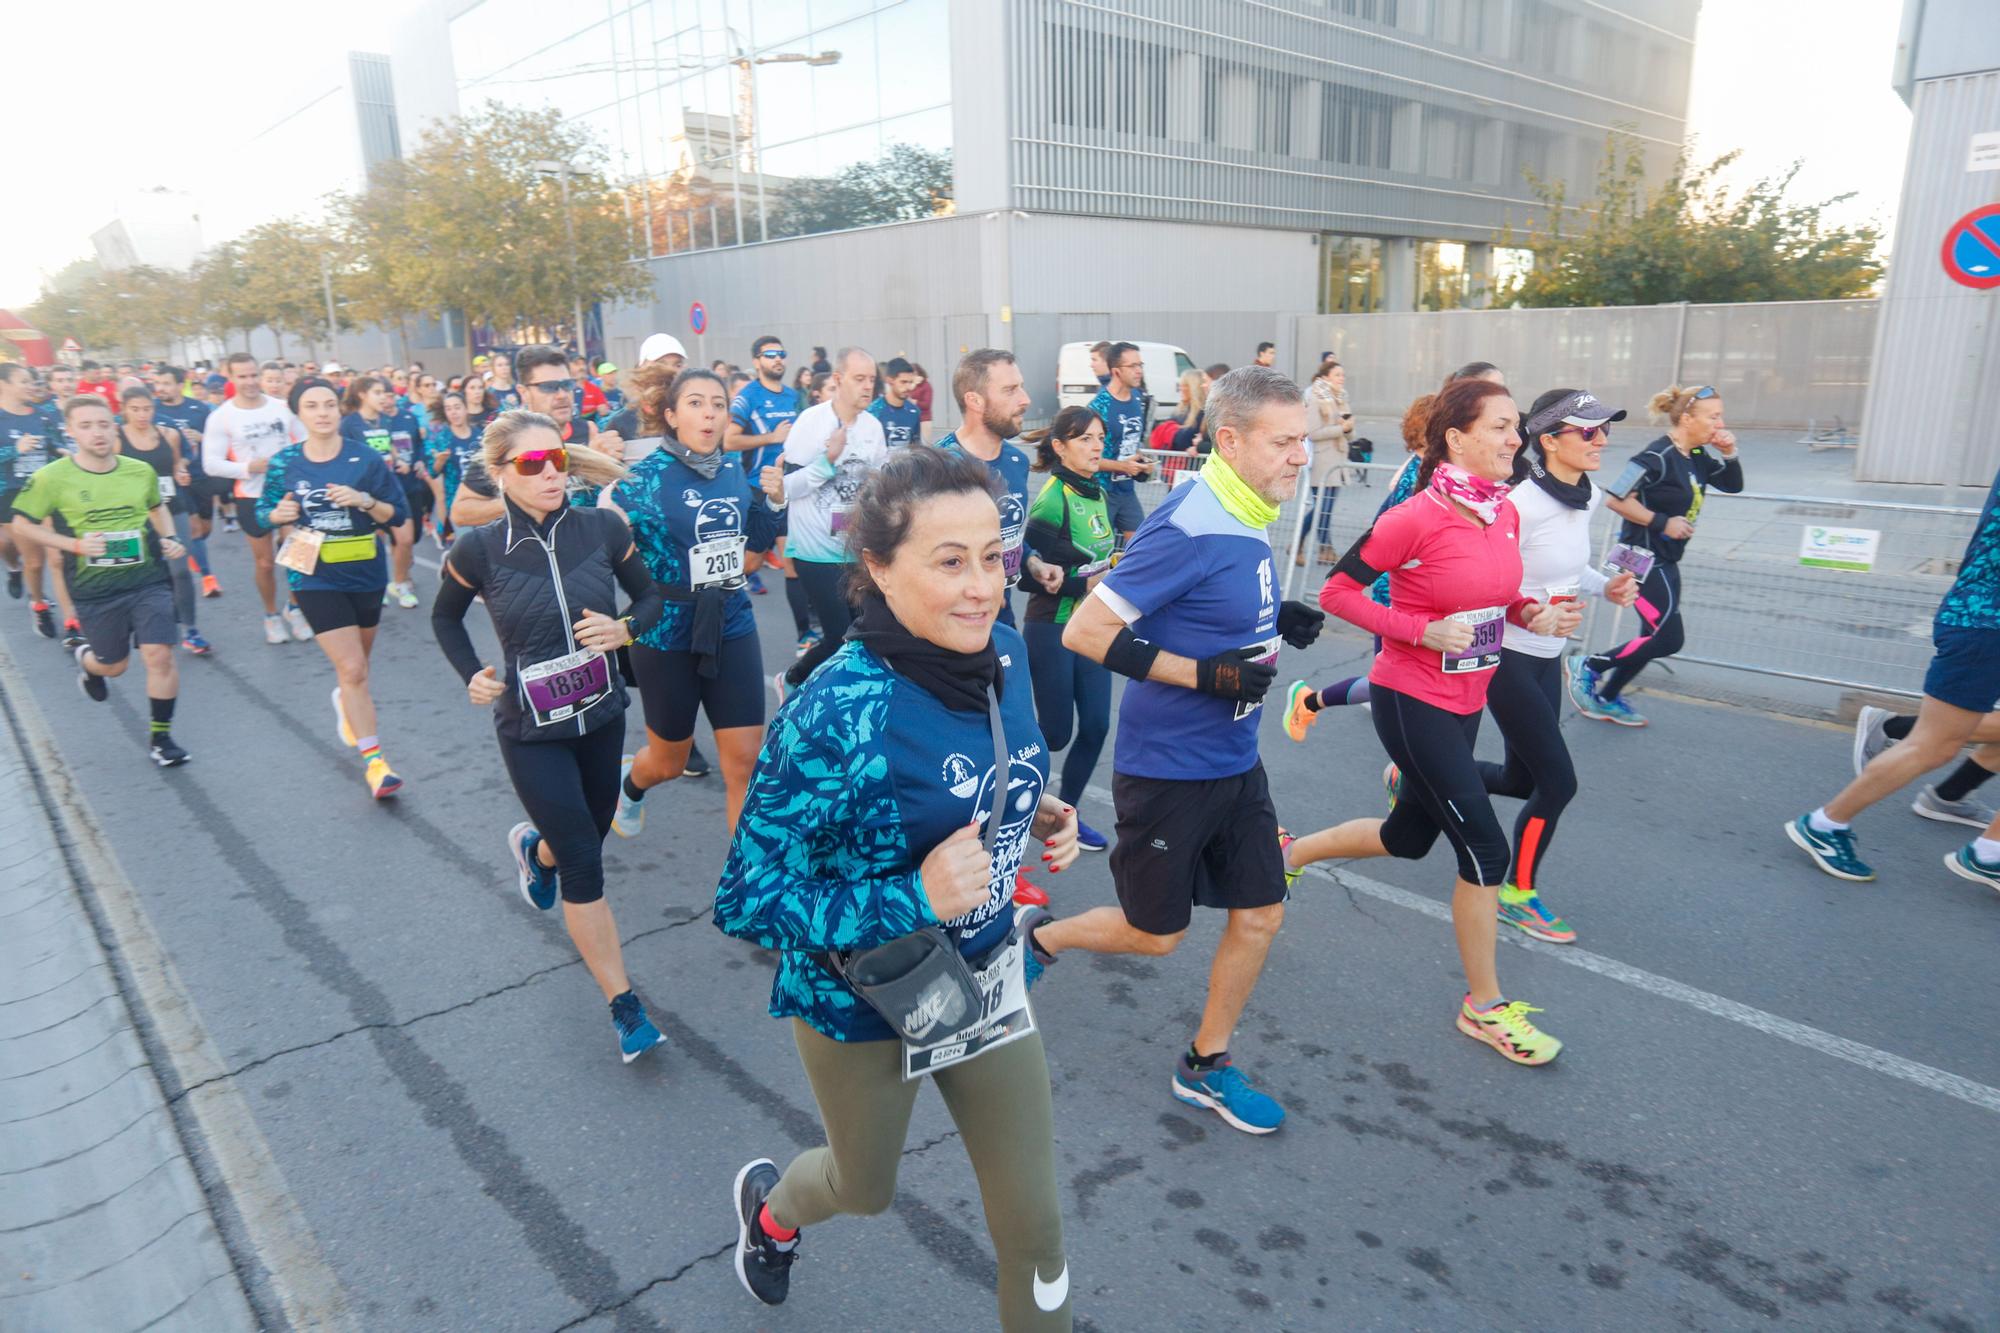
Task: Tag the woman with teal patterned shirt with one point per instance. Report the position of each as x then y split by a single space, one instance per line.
862 827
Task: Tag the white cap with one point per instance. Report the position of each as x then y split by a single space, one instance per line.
330 368
659 345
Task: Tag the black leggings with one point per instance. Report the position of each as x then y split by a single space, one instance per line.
1072 694
569 787
1659 608
1523 698
1442 789
826 588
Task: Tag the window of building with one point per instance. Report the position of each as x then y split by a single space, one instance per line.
1442 280
1374 11
1354 126
1511 264
1099 82
1350 274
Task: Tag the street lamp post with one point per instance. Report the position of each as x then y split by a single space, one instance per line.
562 171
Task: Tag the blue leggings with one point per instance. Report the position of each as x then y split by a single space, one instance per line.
1072 698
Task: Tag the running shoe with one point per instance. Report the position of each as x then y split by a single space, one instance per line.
194 643
1832 852
93 687
538 882
15 585
1027 893
1089 838
1223 1089
754 581
166 754
1965 863
1930 805
45 619
347 736
763 1265
1506 1028
779 686
274 630
382 780
1392 782
1869 737
210 586
1028 920
1299 718
72 638
806 641
1580 679
636 1033
1619 712
1292 873
630 816
697 763
1524 910
296 619
229 523
406 594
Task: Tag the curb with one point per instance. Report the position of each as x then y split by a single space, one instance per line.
278 1258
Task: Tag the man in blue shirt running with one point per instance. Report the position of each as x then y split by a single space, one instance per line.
760 419
901 418
1123 407
1190 614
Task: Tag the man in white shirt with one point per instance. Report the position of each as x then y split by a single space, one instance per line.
829 453
241 438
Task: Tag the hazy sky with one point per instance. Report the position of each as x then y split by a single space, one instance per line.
171 99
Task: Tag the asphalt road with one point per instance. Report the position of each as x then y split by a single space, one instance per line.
1777 1105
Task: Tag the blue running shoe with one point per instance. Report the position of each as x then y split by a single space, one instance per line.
1225 1091
1619 712
194 643
1581 680
1089 838
1832 852
1966 865
754 581
636 1033
538 882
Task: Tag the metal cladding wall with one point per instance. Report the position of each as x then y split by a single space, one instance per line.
1385 117
1777 364
1936 388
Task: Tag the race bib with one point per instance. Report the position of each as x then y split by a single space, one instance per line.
715 562
1005 1017
837 521
562 687
167 487
300 551
345 550
1011 559
29 457
126 547
1483 653
1634 560
1267 651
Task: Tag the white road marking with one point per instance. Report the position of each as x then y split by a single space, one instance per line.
1785 1029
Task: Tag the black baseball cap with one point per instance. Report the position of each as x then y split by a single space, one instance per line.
1576 408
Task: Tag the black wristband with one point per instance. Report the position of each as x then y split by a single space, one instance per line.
1131 656
1657 524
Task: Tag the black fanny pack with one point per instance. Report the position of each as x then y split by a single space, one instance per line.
919 982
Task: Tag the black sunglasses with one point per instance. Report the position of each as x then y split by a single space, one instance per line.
554 386
773 353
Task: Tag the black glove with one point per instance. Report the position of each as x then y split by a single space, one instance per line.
1299 624
1236 674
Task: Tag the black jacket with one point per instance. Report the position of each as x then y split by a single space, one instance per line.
537 580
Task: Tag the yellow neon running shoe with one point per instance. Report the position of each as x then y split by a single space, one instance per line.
1507 1030
382 782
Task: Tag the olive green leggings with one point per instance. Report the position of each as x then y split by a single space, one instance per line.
1000 1103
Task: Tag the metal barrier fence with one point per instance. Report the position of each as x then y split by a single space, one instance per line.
1750 600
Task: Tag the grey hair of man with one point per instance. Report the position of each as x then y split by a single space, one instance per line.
1258 418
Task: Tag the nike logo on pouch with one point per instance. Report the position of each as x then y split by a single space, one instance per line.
1049 1296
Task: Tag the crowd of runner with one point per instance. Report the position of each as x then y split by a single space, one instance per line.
889 798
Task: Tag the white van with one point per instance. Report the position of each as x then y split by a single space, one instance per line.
1165 364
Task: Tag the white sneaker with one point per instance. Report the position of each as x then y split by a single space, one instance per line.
274 630
1869 738
297 620
406 595
630 817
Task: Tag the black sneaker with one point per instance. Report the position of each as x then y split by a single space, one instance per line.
72 638
167 754
763 1265
14 584
697 763
93 687
45 620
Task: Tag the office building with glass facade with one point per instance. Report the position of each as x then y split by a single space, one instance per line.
1327 155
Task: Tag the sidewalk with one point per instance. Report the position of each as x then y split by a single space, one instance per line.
103 1225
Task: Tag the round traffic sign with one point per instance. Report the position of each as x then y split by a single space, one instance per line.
698 317
1972 248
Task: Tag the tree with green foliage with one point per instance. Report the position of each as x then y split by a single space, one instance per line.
1687 238
281 286
903 184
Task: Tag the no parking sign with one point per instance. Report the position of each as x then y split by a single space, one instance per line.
698 318
1972 249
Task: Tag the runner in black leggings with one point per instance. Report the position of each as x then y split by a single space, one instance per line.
1659 495
550 573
